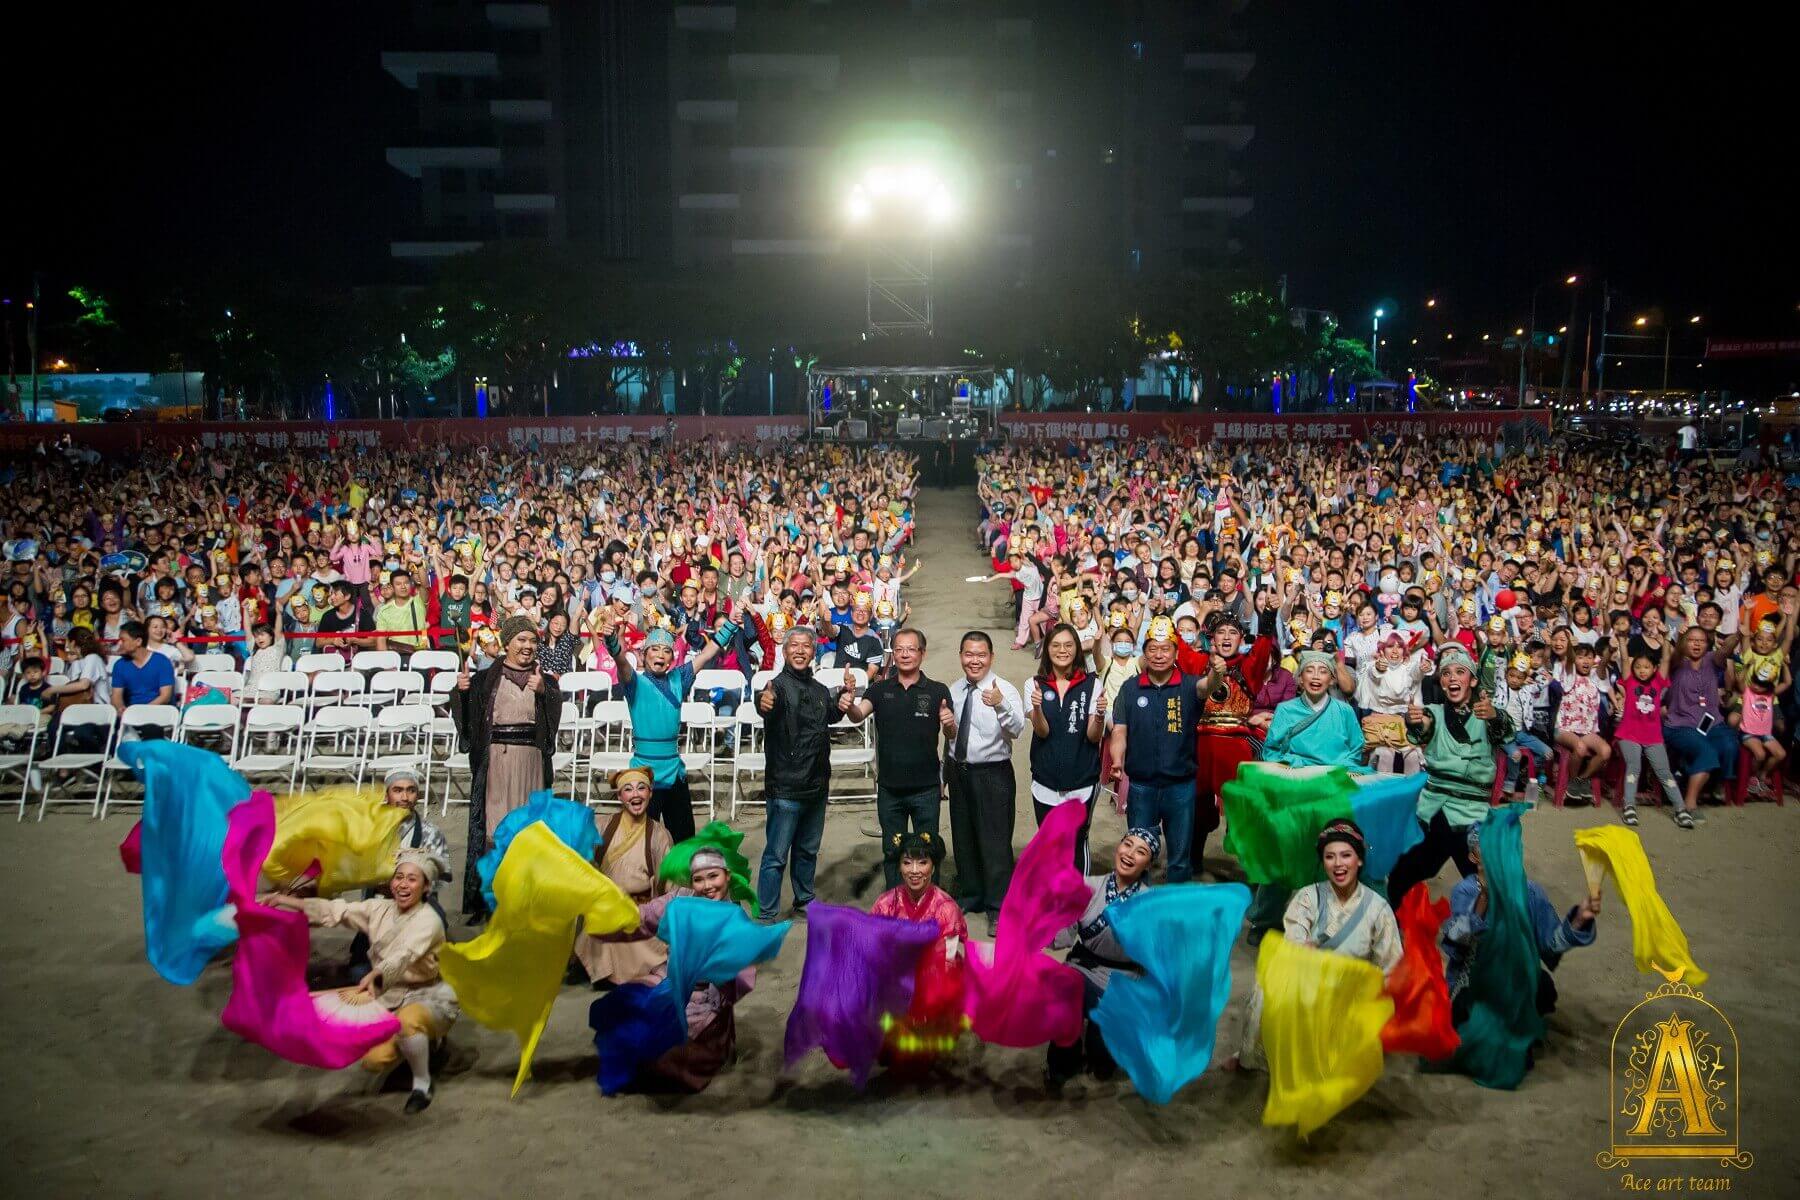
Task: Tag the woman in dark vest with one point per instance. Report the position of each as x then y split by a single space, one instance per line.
1061 702
506 715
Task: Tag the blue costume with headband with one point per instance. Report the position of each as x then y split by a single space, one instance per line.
654 702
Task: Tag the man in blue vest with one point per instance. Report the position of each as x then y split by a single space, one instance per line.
654 697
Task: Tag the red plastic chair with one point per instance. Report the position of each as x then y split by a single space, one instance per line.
1527 770
1740 787
1560 787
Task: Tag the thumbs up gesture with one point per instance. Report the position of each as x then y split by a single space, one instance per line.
765 700
946 718
1036 697
1415 715
462 677
991 697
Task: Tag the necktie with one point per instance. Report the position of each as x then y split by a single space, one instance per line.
960 751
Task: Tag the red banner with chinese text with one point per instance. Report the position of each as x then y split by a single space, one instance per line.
1267 427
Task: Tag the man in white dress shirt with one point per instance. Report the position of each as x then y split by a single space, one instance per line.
987 715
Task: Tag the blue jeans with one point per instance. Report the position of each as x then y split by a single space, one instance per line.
1697 753
794 829
1515 763
894 810
1170 806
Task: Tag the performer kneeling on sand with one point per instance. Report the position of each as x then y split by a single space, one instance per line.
1340 914
403 790
1096 953
632 846
404 934
507 714
711 1020
1555 935
654 696
935 1018
919 898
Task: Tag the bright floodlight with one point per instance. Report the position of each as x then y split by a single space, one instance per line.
1380 313
901 195
941 208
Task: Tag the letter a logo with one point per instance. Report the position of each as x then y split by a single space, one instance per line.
1675 1076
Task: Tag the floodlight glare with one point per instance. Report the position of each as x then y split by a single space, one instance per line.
879 180
941 208
858 208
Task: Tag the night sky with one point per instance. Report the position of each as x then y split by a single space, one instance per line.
1404 150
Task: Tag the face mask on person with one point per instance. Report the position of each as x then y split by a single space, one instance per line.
1122 649
608 576
1191 636
647 591
1131 593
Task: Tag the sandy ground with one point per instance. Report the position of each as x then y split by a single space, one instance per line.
119 1081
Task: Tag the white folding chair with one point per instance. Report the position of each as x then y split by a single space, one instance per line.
729 682
427 661
312 664
212 662
165 718
334 743
609 742
279 728
853 744
442 684
391 687
28 715
750 758
280 687
699 744
451 762
577 687
222 681
334 688
375 660
60 762
399 739
207 725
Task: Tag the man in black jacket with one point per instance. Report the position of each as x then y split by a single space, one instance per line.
797 713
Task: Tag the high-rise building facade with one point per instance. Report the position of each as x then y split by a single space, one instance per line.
534 122
714 134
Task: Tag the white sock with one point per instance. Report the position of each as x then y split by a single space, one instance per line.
415 1048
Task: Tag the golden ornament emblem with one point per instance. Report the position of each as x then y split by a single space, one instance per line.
1674 1082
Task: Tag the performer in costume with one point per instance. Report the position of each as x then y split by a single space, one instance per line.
1095 952
1460 738
404 934
1340 914
711 1020
1230 678
930 1026
1315 728
1556 935
506 716
403 789
654 696
632 846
